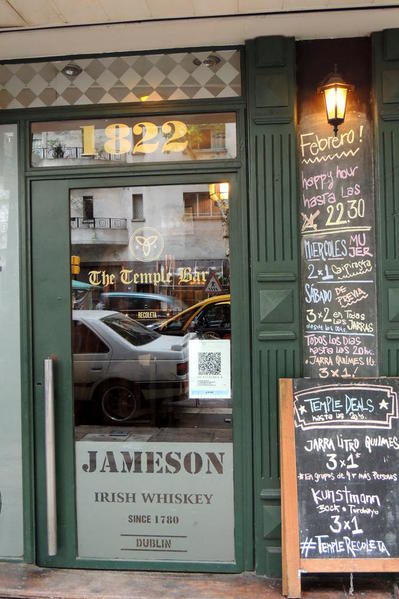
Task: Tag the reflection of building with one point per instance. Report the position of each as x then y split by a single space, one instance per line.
183 220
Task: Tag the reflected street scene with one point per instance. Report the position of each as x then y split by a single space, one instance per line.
151 327
151 345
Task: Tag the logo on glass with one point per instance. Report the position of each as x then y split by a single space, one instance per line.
146 244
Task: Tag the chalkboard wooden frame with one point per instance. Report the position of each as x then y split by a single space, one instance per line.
292 564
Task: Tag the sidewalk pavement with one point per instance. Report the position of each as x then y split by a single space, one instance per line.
30 582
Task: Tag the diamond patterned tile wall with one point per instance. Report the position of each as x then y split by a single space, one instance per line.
121 79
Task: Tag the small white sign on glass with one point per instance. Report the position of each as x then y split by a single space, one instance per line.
209 369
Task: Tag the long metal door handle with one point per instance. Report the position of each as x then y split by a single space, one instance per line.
50 457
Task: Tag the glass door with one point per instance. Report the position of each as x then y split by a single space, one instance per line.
132 354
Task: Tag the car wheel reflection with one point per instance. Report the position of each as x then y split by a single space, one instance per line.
119 402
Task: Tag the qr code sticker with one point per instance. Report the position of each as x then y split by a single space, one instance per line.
210 363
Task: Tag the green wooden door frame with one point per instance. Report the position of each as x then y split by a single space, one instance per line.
172 172
53 192
275 271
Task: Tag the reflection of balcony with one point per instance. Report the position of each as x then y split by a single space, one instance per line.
59 151
101 230
40 153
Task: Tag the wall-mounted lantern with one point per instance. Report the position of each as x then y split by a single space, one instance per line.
335 92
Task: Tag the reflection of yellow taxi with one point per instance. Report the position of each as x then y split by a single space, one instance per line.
210 319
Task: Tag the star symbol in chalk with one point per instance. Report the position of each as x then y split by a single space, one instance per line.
302 410
384 404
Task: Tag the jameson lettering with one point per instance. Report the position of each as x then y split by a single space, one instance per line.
154 462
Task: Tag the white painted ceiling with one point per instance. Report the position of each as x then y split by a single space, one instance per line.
37 28
44 13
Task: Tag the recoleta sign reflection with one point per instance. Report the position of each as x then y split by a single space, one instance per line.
143 516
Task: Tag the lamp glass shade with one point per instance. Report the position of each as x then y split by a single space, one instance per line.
335 98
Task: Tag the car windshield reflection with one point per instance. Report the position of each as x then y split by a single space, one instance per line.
129 329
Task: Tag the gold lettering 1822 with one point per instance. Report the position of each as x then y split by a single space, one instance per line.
119 136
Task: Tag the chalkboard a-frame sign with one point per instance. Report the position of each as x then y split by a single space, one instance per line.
339 456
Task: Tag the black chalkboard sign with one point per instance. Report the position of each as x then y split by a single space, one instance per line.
338 248
340 467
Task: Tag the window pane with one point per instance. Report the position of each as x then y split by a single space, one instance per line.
88 213
200 205
128 140
11 537
157 295
138 212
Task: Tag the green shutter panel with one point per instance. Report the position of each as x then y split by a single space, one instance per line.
386 94
275 271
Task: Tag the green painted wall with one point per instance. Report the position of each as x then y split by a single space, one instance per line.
386 104
276 339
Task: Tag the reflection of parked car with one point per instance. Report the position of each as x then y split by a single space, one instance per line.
119 364
144 307
210 319
82 295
